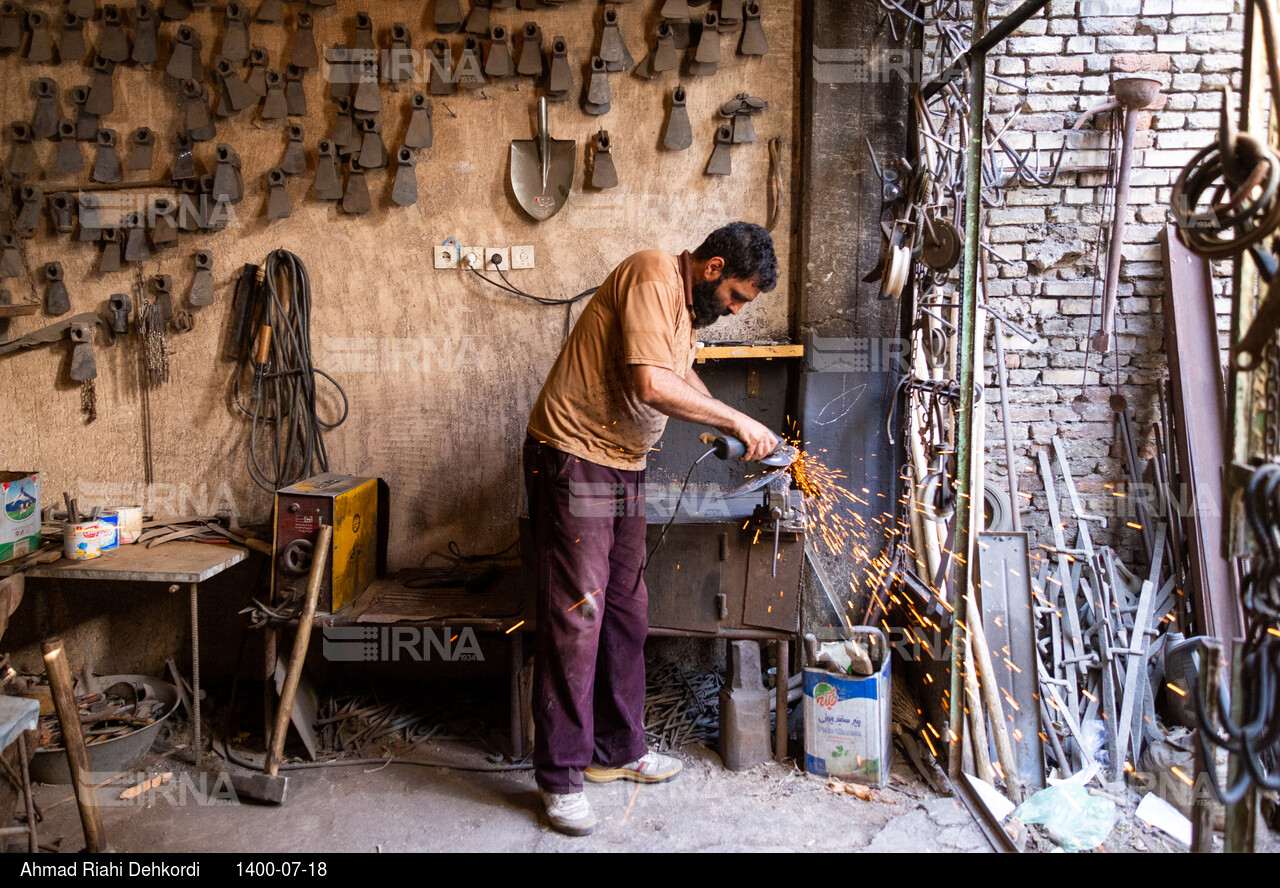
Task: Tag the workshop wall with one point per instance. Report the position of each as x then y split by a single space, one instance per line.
1054 68
439 369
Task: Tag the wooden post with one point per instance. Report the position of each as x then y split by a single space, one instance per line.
64 701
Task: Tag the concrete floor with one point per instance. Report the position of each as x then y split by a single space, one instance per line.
408 808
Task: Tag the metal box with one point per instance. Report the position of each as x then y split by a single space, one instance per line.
357 509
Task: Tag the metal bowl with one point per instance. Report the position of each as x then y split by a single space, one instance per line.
110 757
1135 92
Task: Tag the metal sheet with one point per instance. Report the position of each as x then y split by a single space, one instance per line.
773 602
1008 618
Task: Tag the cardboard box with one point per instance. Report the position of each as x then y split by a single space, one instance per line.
20 519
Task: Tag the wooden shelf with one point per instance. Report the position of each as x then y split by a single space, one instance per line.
765 352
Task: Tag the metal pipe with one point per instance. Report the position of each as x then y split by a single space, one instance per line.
968 335
1102 342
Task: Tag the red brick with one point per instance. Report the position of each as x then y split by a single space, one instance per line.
1137 62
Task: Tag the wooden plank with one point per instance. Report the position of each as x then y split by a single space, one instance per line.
177 562
767 352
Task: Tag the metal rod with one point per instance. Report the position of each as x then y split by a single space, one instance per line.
1108 322
968 335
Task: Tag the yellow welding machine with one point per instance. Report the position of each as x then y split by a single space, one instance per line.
357 509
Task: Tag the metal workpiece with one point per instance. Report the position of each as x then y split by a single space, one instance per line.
295 95
404 191
419 134
10 257
278 197
120 306
162 288
596 98
236 93
603 173
112 42
191 203
560 78
677 134
184 162
136 248
145 50
328 182
164 229
478 20
303 52
274 106
295 156
270 12
530 63
259 60
739 110
612 47
194 102
676 10
184 57
355 198
101 98
176 10
228 185
44 122
10 26
32 206
62 208
40 43
373 151
448 16
470 71
364 32
344 136
22 158
721 161
706 57
343 72
56 300
86 123
399 58
235 34
106 166
77 328
367 98
109 258
440 81
71 45
663 57
499 61
142 157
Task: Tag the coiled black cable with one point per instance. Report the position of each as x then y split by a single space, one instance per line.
283 409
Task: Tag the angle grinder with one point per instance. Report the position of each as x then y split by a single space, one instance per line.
729 447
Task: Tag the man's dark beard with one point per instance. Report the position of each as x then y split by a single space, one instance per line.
705 310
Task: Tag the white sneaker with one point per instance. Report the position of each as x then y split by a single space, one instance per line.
569 813
652 768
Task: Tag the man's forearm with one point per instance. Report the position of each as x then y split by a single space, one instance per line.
669 394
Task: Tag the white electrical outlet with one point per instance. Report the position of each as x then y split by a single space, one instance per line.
472 257
446 257
522 257
500 253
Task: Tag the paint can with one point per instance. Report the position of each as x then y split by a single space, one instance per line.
82 540
128 523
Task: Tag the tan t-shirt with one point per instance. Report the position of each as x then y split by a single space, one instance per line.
640 315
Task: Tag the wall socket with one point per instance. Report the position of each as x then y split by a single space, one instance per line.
472 257
500 253
446 256
522 257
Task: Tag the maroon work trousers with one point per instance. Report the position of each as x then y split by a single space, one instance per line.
592 611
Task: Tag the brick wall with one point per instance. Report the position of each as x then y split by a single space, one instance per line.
1057 66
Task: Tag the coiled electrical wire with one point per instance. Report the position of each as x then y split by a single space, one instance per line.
283 410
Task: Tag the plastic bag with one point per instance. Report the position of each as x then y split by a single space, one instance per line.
1074 819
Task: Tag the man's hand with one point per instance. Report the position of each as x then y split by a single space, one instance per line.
757 437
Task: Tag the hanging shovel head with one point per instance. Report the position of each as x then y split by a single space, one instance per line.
542 170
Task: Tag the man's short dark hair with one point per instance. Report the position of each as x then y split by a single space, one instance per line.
747 251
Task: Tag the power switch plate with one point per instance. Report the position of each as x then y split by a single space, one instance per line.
522 257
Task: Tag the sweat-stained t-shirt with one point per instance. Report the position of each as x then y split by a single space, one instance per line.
640 315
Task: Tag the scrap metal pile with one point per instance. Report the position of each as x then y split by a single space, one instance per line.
680 706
